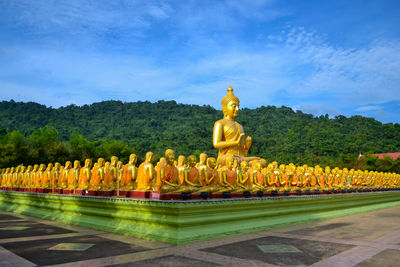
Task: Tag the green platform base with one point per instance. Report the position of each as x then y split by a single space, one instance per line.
183 222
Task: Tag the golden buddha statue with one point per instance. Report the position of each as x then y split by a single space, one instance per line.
110 174
283 179
27 177
228 176
212 180
228 135
39 174
146 174
297 182
14 180
21 176
270 174
168 179
63 181
46 176
192 181
181 166
85 175
244 177
73 175
97 175
202 167
257 178
4 177
55 175
129 177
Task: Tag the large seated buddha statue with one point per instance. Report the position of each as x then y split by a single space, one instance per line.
228 135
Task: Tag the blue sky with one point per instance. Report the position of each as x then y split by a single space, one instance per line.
334 57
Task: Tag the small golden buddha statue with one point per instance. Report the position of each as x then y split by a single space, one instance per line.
108 183
27 177
168 181
97 176
146 174
63 181
14 179
192 181
129 177
297 184
85 175
212 180
228 177
202 167
55 175
73 175
282 179
39 174
258 179
46 176
4 177
244 177
228 135
21 175
181 167
271 174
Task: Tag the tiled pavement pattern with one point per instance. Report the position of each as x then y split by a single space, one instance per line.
365 239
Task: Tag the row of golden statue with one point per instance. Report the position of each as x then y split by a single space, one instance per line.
170 176
233 171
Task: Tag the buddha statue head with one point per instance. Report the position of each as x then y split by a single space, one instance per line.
230 104
244 165
181 160
88 163
114 160
169 158
77 164
149 157
120 165
100 163
68 165
132 159
192 160
203 158
50 166
42 167
257 165
168 151
211 163
57 166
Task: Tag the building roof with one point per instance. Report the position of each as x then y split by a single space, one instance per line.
394 155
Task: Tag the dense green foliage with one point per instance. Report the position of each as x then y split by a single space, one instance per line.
114 127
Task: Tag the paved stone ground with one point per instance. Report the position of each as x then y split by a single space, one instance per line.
365 239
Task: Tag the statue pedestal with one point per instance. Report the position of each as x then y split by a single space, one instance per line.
122 193
102 193
157 196
80 192
91 193
43 190
139 194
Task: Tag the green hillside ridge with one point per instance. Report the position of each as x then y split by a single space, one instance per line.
106 127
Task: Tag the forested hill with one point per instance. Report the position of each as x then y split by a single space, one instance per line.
278 133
